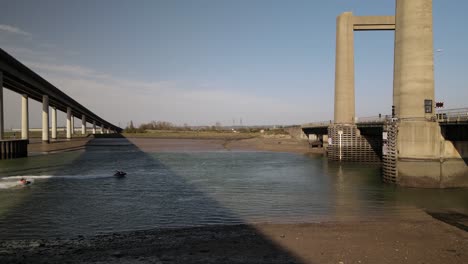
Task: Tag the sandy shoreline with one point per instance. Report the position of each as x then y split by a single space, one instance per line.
422 239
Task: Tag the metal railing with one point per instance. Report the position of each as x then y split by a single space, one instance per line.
444 116
452 115
318 124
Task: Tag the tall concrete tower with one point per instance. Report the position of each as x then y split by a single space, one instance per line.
413 87
419 140
344 69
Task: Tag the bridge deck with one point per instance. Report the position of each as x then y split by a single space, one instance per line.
19 78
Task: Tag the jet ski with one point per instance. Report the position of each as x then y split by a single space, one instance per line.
120 173
23 181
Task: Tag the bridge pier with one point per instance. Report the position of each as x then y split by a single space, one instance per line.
348 144
83 125
2 122
54 123
45 118
10 149
69 123
24 117
94 127
72 124
425 154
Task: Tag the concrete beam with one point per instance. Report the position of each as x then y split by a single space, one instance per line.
45 118
24 117
364 23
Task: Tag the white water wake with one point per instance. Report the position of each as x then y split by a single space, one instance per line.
7 182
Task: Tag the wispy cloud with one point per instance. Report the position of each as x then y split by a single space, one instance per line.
174 101
14 30
61 68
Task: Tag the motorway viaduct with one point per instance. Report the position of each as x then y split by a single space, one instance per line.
416 149
20 79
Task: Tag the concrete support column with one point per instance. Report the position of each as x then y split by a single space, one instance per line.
45 118
54 122
344 69
72 124
414 59
2 122
24 117
94 127
83 124
69 123
102 129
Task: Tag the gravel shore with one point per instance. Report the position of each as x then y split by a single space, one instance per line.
395 241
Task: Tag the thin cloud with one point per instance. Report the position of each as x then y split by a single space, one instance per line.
61 68
14 30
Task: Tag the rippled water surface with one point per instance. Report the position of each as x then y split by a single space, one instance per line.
75 193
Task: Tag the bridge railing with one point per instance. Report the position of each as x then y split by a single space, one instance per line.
372 119
452 115
446 115
318 124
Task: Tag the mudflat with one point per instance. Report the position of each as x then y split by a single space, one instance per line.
390 241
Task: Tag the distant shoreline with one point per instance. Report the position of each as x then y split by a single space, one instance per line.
179 141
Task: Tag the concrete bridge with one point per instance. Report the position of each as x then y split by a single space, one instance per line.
20 79
418 147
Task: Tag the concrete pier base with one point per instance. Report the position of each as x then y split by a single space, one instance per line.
11 149
418 155
347 144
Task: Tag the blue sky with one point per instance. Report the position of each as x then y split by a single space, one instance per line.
201 62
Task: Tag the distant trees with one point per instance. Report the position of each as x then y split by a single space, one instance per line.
155 125
131 129
217 127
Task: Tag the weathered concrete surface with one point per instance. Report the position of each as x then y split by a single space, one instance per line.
426 159
414 60
346 23
373 23
344 69
24 117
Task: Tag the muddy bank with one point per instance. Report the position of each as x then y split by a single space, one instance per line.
279 144
390 241
36 146
251 144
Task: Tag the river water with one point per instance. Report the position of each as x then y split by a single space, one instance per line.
74 193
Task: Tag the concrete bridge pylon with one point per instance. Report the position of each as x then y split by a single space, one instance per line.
415 149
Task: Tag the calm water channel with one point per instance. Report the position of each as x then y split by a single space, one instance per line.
75 193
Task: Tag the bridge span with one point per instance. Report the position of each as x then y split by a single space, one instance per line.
18 78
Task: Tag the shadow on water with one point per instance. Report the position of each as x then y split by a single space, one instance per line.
168 196
359 191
